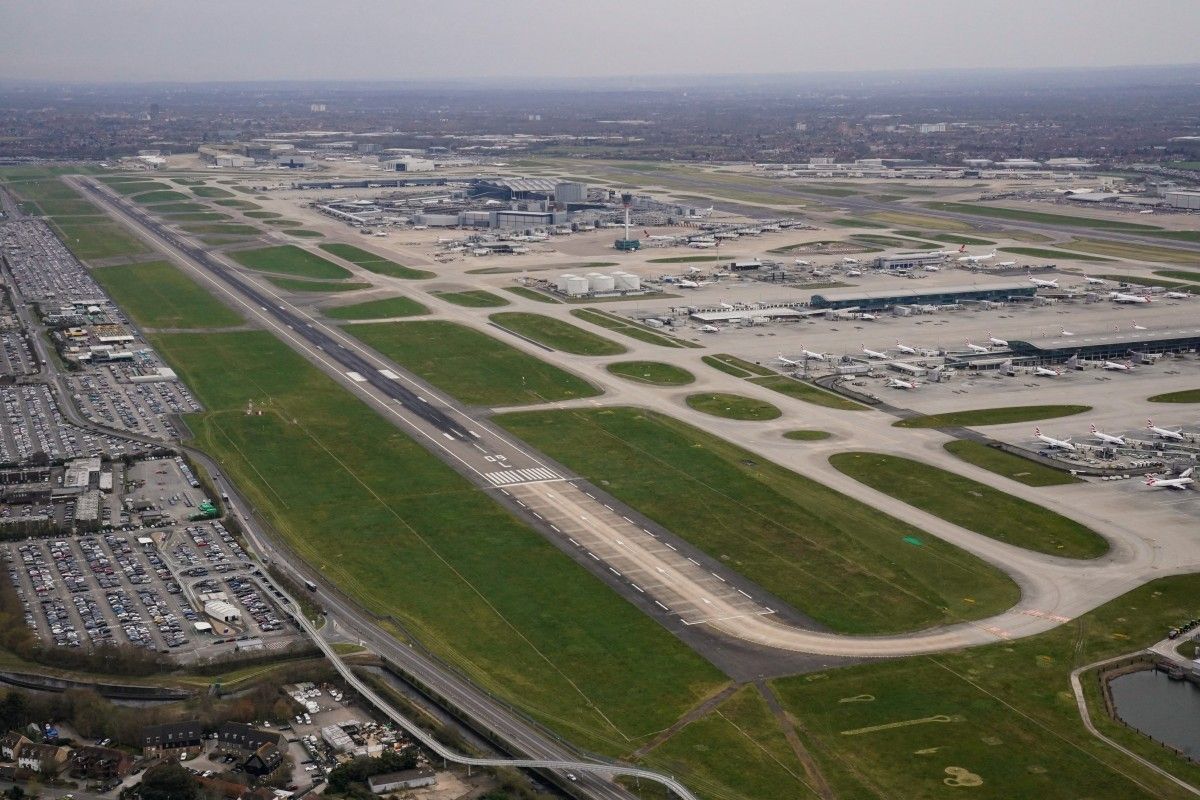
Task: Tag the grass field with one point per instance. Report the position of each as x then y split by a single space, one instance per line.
475 368
159 196
1023 215
289 260
990 416
949 238
910 219
281 223
803 435
373 263
1179 274
1140 280
732 365
733 406
233 229
378 309
158 295
262 215
243 205
93 241
418 544
301 233
210 191
800 390
1043 252
557 334
1004 713
136 187
892 241
178 208
196 216
855 222
300 285
843 563
1138 252
972 505
474 298
655 373
627 327
531 294
1184 396
1022 470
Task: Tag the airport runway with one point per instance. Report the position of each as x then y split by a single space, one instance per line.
1054 590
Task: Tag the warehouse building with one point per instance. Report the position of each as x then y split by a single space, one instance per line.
938 296
1188 201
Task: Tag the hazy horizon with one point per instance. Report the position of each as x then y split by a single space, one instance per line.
456 41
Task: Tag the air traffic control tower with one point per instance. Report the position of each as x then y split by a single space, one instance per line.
627 244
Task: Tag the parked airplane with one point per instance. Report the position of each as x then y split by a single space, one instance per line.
788 361
1065 332
1095 281
931 268
849 260
1184 480
710 329
686 284
1163 433
702 245
976 259
903 348
727 306
1006 264
1046 372
875 353
1043 283
1117 366
868 316
977 348
997 342
1062 444
816 356
1107 438
800 262
1177 295
853 273
896 383
1122 297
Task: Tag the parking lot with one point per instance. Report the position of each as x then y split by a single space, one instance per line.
32 424
107 394
43 269
127 588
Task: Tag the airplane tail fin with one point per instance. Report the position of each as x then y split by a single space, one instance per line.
1037 431
1150 479
962 248
1093 428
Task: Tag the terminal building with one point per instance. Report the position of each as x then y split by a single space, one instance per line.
936 296
1119 345
907 261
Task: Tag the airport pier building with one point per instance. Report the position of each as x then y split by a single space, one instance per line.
1107 346
999 292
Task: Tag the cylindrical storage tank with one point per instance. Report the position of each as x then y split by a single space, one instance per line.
598 282
562 282
577 285
626 282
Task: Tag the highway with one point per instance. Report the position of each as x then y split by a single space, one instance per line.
447 431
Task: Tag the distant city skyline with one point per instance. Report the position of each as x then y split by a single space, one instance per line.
422 40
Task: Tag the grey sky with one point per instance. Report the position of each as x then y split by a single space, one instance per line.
152 40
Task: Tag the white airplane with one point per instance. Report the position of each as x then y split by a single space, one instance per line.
1095 281
1122 297
1065 332
1164 433
977 348
727 306
788 361
1046 372
849 260
1042 283
1136 327
868 316
1006 263
816 356
976 259
1062 444
702 245
1184 480
800 262
1117 366
1107 438
997 342
853 273
903 348
869 353
1176 295
896 383
710 329
686 284
931 268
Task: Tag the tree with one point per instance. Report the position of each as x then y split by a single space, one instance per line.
168 782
